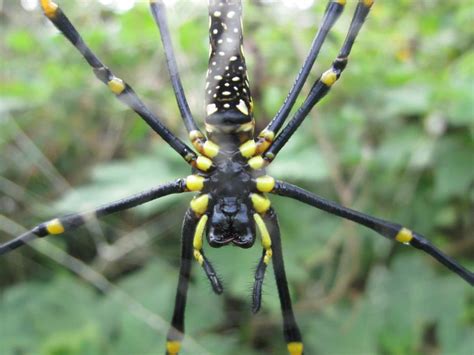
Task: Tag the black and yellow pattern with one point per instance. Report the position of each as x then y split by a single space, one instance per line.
229 178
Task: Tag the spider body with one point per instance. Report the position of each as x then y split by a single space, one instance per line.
228 169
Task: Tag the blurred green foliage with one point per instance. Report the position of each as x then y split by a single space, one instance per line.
394 138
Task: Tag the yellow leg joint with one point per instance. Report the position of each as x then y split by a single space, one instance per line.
197 139
265 140
265 235
266 240
203 163
368 3
195 183
248 149
265 183
261 204
173 347
404 236
267 135
200 228
198 256
50 8
199 204
210 149
116 85
55 226
295 348
268 256
256 162
195 135
329 77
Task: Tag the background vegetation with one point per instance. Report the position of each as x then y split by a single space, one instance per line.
394 138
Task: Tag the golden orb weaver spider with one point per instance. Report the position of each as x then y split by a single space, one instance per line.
238 117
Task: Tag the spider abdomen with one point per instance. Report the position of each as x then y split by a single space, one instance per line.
228 97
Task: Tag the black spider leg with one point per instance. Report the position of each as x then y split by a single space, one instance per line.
258 283
122 90
159 14
212 276
332 13
323 84
291 331
387 229
176 331
70 222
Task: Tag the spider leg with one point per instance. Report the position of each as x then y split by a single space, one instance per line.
332 13
159 14
176 331
258 283
290 328
122 90
322 86
262 264
201 258
387 229
70 222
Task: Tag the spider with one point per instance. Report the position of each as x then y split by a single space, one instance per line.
229 168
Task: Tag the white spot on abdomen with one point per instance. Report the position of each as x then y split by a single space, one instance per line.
211 108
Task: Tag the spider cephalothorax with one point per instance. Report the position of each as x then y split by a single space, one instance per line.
228 174
230 206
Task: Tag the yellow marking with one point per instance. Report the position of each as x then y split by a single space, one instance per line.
265 140
266 240
197 240
329 77
203 163
194 183
210 109
248 149
210 149
368 3
267 135
268 256
261 204
200 228
55 226
265 183
242 107
295 348
173 347
256 162
194 135
404 236
116 85
262 146
342 2
50 8
198 256
199 204
245 127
